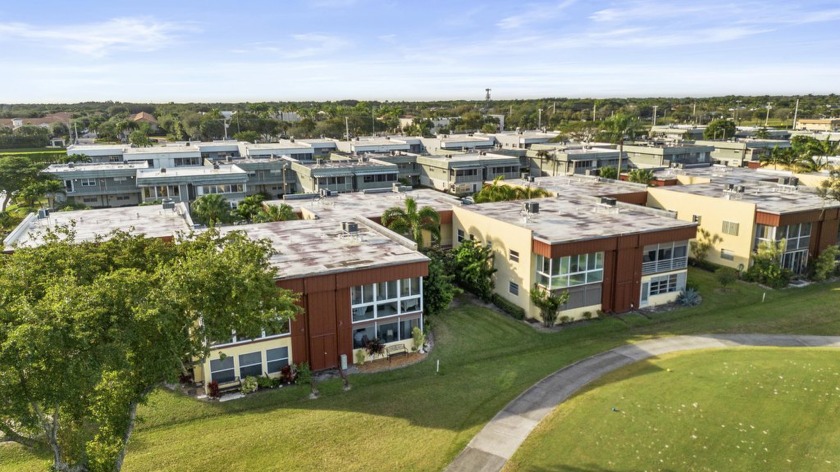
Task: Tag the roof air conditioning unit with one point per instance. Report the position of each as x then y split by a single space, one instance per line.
325 192
71 165
216 165
783 180
163 170
532 207
728 187
740 188
695 218
608 201
350 227
168 204
793 181
43 213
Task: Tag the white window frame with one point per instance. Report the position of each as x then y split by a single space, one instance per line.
240 366
513 256
460 235
730 228
513 288
88 182
268 362
231 369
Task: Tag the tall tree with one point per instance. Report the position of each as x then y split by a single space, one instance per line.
616 129
250 206
549 303
90 329
411 221
474 268
211 209
16 173
720 128
438 287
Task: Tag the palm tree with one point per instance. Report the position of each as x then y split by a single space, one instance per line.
411 221
778 156
282 212
51 188
641 176
212 209
250 206
616 129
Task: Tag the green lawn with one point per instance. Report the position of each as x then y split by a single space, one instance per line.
764 409
414 419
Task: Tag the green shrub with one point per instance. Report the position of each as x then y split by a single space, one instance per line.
249 385
565 319
587 315
265 381
418 337
361 357
726 276
824 266
510 308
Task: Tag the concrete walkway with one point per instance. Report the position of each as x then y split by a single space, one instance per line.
491 448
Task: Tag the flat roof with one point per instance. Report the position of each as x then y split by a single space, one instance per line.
94 166
319 247
152 221
580 185
161 149
191 171
368 205
726 175
566 219
284 144
768 197
81 148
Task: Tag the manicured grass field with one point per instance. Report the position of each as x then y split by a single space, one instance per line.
413 418
759 409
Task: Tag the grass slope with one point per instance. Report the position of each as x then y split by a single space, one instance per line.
414 419
748 409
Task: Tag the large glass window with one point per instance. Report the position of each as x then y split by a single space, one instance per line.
665 257
570 271
390 298
221 370
276 359
250 365
796 239
666 284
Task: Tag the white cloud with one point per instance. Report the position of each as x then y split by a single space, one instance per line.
98 39
300 46
535 13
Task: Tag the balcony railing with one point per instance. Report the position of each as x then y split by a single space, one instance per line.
664 265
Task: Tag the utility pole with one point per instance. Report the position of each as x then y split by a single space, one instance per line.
654 114
694 112
372 122
767 117
795 112
593 111
539 118
346 129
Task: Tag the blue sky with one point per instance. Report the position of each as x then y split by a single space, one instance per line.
180 50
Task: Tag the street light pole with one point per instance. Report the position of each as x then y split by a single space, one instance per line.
539 118
767 117
654 114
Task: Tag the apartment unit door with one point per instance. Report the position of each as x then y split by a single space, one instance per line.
322 352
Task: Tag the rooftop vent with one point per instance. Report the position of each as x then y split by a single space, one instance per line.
350 227
216 165
608 201
531 207
71 165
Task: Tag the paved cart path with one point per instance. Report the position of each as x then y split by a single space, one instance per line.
491 448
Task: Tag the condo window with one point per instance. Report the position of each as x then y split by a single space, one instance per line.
513 256
665 257
250 365
460 235
222 370
513 288
391 330
276 359
570 271
730 228
87 182
666 284
727 255
385 299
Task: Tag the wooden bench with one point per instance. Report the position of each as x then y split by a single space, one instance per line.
396 350
231 386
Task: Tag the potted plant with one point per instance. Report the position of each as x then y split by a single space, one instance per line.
375 347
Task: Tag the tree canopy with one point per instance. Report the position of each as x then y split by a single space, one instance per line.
211 209
722 129
499 192
411 221
89 329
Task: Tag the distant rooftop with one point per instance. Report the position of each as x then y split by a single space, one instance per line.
768 197
367 205
319 247
580 218
152 221
577 185
92 167
224 169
